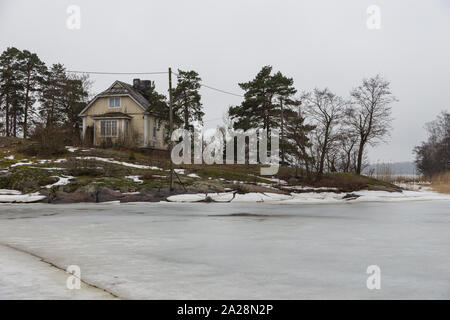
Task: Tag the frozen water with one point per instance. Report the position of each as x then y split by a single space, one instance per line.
232 250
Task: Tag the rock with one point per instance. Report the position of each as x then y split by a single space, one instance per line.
72 197
351 196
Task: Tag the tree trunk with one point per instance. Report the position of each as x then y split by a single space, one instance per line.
27 101
7 114
186 118
15 123
360 155
322 154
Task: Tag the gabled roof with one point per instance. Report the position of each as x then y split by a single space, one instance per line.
124 89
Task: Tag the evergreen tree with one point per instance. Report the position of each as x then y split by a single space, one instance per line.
34 71
52 96
263 100
187 100
75 92
11 89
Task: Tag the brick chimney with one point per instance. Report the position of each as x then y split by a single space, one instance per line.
136 83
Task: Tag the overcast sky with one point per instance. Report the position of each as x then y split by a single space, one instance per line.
320 43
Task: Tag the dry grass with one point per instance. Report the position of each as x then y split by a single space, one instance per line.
441 183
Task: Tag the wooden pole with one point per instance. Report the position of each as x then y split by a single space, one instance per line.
282 131
170 128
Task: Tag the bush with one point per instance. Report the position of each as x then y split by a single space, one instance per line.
28 179
49 141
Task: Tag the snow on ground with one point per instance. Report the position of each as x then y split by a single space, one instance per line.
134 178
11 157
64 180
21 164
193 175
187 197
9 192
308 188
24 276
71 149
314 197
21 198
179 171
126 164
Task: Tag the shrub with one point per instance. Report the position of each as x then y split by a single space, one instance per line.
49 141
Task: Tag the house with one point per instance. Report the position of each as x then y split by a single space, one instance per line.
120 115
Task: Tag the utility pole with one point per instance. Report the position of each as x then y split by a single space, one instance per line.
170 128
282 131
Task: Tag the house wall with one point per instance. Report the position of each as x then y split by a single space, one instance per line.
136 125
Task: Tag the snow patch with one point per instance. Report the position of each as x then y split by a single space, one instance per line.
61 182
71 149
126 164
134 178
21 198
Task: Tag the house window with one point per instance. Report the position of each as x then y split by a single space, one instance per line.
108 128
114 102
154 128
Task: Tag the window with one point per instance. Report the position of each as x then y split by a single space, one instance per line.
114 102
154 128
108 128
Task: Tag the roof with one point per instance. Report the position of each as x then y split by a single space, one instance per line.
112 115
124 90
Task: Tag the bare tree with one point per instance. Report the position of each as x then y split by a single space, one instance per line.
370 114
345 149
326 110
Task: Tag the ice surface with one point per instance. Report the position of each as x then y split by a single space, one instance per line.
230 251
23 276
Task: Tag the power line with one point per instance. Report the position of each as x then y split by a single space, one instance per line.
155 72
216 89
130 73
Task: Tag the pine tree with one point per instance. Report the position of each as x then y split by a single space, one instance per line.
263 100
52 96
34 71
75 92
187 100
11 89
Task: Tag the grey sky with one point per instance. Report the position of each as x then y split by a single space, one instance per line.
318 43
